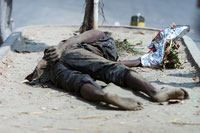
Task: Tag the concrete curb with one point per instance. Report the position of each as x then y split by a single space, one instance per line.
128 27
193 51
6 46
132 27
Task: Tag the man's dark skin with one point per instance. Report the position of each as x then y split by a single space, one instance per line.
132 79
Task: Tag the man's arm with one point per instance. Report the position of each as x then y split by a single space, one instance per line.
54 53
131 63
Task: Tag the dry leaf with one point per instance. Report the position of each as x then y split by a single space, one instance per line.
32 113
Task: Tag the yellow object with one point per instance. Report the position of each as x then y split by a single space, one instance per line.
137 20
141 24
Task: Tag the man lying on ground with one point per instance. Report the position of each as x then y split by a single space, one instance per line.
75 64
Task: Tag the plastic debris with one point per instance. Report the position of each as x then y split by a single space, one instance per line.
194 100
157 46
116 23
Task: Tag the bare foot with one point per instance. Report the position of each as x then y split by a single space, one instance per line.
166 94
123 103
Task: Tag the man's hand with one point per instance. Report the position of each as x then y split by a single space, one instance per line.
52 54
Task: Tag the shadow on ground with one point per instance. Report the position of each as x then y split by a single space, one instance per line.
49 85
175 84
185 75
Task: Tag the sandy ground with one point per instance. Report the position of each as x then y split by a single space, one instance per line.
25 108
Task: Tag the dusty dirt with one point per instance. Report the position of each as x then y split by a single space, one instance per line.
25 108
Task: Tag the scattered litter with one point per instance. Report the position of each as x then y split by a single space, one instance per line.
158 45
194 100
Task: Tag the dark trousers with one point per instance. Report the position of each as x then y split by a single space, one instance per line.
80 66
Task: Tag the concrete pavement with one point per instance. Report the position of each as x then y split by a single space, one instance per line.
25 108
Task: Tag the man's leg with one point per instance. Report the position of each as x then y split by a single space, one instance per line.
101 69
83 84
90 92
136 82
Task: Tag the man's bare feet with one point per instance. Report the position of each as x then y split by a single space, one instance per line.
123 103
166 94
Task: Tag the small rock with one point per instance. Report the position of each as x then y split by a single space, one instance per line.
42 108
121 123
55 108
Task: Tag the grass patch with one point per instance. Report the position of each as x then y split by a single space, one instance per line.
125 46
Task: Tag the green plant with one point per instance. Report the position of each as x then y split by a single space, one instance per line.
126 46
